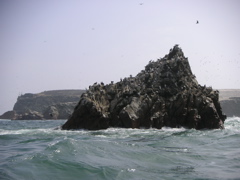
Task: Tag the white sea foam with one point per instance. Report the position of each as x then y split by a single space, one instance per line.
25 131
181 129
232 123
14 132
131 170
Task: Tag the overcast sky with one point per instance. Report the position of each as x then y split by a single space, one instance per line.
70 44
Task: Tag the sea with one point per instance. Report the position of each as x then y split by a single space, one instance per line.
37 150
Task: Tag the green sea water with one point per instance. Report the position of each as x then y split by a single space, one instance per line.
34 150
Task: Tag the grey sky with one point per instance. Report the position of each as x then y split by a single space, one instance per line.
57 44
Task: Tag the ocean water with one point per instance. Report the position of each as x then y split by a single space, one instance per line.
34 150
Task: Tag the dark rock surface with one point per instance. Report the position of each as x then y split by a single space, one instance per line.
166 93
56 104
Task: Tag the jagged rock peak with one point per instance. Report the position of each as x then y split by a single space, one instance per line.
175 51
165 93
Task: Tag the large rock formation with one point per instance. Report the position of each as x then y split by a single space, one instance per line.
166 93
56 104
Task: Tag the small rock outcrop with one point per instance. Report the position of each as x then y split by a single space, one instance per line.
165 93
8 115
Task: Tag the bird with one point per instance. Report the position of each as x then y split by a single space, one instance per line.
197 22
140 4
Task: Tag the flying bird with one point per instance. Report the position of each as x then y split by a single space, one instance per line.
197 22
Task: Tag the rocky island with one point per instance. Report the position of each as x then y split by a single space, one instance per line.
165 93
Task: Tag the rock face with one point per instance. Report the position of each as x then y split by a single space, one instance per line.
56 104
166 93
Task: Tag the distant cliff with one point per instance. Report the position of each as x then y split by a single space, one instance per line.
56 104
230 102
